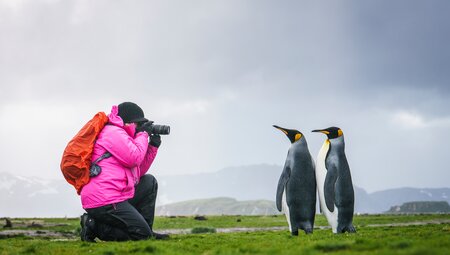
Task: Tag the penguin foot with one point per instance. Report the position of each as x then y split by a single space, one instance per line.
294 233
351 229
308 231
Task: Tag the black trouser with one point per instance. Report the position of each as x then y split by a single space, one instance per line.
131 219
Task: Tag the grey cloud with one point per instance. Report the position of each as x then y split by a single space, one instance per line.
401 43
222 72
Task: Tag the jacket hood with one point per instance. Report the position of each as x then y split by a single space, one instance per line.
114 117
116 120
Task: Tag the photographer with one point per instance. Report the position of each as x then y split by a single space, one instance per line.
120 201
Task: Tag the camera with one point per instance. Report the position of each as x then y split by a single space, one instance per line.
159 129
155 129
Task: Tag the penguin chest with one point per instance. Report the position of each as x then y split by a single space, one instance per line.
321 174
321 170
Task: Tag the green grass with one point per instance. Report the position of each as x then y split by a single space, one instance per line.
426 239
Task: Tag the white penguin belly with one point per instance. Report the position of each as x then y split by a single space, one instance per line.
321 173
285 208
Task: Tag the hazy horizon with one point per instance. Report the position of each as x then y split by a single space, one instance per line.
162 175
36 197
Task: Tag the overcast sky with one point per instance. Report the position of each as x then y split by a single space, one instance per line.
221 73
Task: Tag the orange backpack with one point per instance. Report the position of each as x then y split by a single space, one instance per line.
76 159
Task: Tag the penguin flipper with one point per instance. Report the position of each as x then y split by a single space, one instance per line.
329 187
281 185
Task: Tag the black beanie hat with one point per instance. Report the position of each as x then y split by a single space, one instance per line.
131 112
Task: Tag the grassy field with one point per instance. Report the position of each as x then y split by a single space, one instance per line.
373 237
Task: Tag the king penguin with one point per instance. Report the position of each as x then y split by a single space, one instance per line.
296 191
334 182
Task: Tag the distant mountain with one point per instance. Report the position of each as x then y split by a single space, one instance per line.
36 197
381 201
259 182
253 182
421 207
218 206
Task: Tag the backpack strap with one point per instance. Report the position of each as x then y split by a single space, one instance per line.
102 157
96 169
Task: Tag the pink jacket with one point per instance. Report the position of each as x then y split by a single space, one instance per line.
131 159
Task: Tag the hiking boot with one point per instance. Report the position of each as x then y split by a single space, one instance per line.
87 225
158 236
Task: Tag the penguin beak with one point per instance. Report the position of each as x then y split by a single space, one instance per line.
321 131
282 129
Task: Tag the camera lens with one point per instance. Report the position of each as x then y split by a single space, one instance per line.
160 129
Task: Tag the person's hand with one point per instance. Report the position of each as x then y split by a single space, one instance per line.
155 140
145 127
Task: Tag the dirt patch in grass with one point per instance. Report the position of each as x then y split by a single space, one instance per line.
36 233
